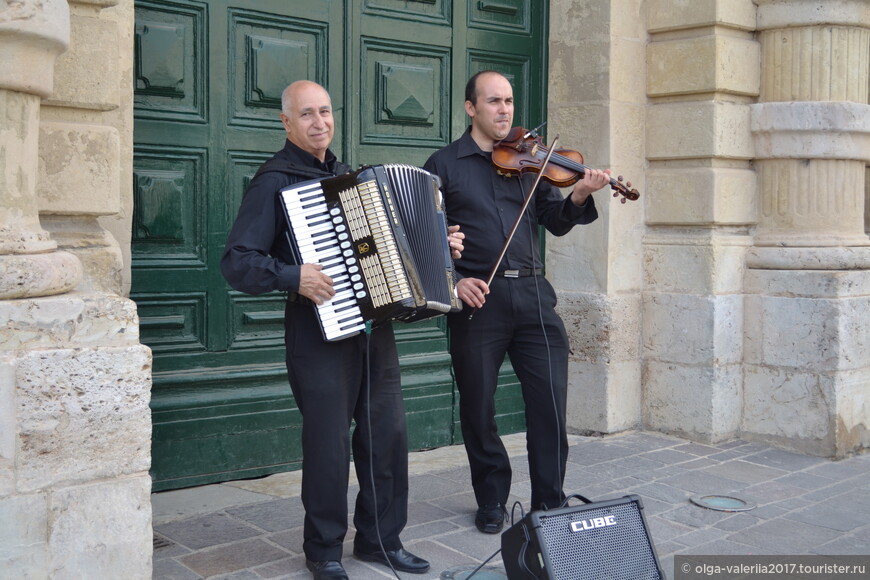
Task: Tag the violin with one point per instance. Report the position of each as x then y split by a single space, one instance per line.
523 150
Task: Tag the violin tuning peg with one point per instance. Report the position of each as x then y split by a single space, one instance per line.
615 194
622 200
619 178
628 184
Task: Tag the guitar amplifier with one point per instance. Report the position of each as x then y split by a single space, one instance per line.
606 540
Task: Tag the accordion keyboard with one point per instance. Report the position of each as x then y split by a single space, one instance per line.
322 237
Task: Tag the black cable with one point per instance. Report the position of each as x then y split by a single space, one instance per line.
558 417
368 384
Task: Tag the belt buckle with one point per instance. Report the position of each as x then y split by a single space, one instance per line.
511 274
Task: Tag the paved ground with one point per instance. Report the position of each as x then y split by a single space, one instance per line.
248 530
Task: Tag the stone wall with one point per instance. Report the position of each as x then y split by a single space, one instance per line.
75 427
728 301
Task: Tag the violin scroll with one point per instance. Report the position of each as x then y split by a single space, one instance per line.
625 191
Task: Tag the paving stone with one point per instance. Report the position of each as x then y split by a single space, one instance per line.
782 536
290 540
832 514
704 483
208 530
697 449
771 491
745 471
669 456
426 513
804 480
694 516
699 537
855 544
171 570
272 516
785 459
232 557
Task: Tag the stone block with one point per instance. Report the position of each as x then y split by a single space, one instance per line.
698 402
694 263
87 75
668 15
7 423
31 36
24 536
778 14
693 330
706 64
806 334
691 130
853 411
603 398
815 130
775 397
601 329
82 415
700 196
78 169
102 530
69 321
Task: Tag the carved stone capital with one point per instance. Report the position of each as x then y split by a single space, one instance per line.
32 34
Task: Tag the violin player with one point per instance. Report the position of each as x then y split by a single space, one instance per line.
515 313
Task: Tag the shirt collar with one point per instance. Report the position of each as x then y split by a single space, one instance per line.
307 159
468 146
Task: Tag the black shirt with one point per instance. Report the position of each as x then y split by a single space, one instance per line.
485 205
257 257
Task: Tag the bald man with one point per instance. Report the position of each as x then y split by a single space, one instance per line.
334 383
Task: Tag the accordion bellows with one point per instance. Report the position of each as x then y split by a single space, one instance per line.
380 234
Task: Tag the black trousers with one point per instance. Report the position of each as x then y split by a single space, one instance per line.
330 381
518 319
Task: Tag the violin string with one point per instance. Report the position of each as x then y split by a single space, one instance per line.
571 164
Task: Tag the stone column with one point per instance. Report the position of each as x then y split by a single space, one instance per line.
32 34
702 77
596 105
808 277
74 380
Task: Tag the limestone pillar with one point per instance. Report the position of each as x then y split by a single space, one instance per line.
808 277
74 380
31 37
702 61
596 105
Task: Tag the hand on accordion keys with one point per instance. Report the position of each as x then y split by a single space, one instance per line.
314 284
454 239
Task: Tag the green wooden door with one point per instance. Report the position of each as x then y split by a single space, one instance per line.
208 80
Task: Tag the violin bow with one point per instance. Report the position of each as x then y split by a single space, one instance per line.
520 216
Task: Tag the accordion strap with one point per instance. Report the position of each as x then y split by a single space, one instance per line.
279 165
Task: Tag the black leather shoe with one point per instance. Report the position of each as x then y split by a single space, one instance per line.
327 570
490 519
401 559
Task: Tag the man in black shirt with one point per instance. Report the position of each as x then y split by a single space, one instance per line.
329 380
517 312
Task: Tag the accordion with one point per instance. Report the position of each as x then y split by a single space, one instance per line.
381 235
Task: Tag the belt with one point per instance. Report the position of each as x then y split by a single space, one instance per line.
521 273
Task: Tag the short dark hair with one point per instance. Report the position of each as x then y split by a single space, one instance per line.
471 85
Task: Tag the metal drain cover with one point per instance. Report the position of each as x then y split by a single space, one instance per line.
722 503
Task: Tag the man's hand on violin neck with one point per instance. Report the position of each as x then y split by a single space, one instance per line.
593 180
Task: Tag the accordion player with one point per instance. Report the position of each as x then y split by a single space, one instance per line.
380 234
